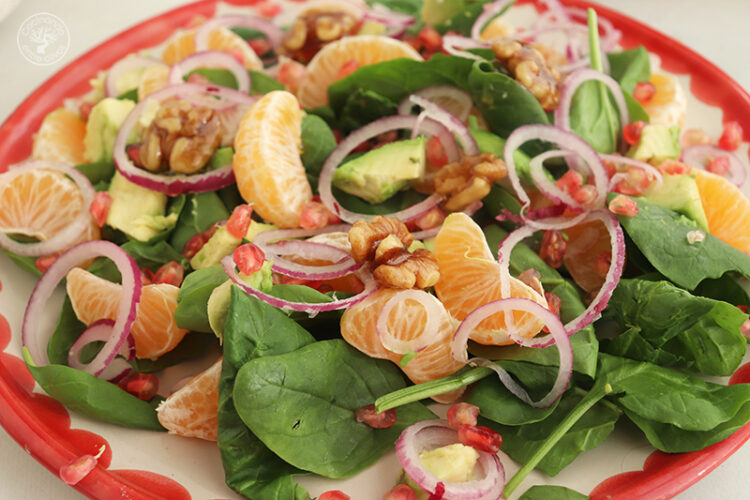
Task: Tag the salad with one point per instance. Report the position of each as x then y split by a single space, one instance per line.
364 209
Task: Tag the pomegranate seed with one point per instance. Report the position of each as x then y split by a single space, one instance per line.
532 278
603 263
147 276
141 385
611 168
435 152
368 415
315 214
438 493
291 74
259 45
79 468
695 236
134 153
431 40
237 54
462 414
743 308
644 92
99 208
719 165
480 437
731 137
198 78
400 492
674 167
84 109
347 69
170 273
636 183
194 245
43 263
553 248
570 182
585 196
240 220
632 131
249 258
288 280
694 137
334 495
433 218
622 205
268 9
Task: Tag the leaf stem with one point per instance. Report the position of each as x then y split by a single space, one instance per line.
417 392
595 51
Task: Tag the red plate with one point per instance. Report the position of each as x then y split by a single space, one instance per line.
42 426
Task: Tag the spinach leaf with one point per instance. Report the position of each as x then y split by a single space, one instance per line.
152 256
399 201
671 327
174 206
253 330
261 83
629 67
25 263
200 212
317 144
222 77
725 288
192 346
661 235
192 299
93 397
67 330
302 405
463 15
363 107
549 492
97 173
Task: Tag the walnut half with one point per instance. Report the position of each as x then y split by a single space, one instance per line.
531 68
468 180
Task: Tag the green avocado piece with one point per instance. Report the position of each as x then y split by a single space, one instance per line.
222 243
137 211
451 463
680 193
379 174
436 12
656 144
102 126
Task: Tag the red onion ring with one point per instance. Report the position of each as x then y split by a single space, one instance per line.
272 32
435 93
450 121
67 235
611 36
355 139
127 63
101 330
489 11
557 332
548 187
696 156
173 185
429 334
383 15
370 285
571 84
36 340
436 433
624 160
456 45
343 263
211 59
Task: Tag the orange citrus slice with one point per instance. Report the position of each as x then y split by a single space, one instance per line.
668 105
324 68
586 242
191 411
154 77
727 209
267 165
224 39
60 138
470 277
154 330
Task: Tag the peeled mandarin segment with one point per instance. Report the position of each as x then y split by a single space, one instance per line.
154 78
324 68
586 242
470 277
154 330
191 411
668 106
224 39
267 165
727 209
60 138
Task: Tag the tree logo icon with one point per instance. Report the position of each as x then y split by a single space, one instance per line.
43 39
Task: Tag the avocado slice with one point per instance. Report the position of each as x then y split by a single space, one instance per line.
222 243
379 174
451 463
680 193
137 211
101 128
656 144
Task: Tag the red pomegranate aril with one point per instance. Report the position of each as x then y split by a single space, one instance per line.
743 308
694 137
170 273
602 263
43 263
570 182
585 196
438 493
622 205
632 131
553 302
719 165
674 167
462 414
84 109
134 153
433 218
198 78
259 45
240 220
291 73
532 278
79 468
141 385
435 152
249 258
147 276
644 92
193 245
334 495
480 437
348 68
431 40
268 9
611 168
731 137
99 208
400 492
315 214
553 248
369 415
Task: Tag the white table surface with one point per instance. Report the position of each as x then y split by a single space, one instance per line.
716 29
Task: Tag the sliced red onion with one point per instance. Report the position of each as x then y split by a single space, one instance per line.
610 36
100 331
429 334
355 139
211 59
36 340
382 14
357 8
571 84
370 285
64 237
567 141
173 185
272 32
624 160
431 434
547 186
440 94
557 332
489 11
121 67
450 121
456 45
343 263
697 156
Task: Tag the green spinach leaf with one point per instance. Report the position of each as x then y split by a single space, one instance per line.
152 256
725 288
97 173
318 142
630 67
549 492
67 330
261 83
191 312
200 212
192 346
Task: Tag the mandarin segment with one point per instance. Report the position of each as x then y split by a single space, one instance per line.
60 138
224 39
727 209
154 77
154 329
